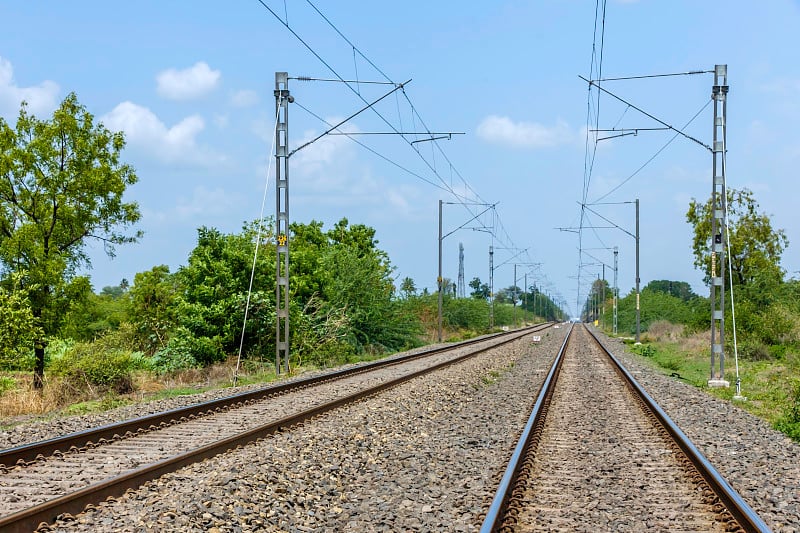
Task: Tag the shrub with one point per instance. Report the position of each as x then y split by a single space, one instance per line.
754 350
7 384
644 350
96 364
184 351
789 423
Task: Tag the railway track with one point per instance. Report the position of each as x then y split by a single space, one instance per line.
598 454
59 477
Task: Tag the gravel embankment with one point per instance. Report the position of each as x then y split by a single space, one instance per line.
762 464
420 457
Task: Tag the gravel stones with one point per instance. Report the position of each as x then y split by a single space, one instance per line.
762 464
419 457
424 456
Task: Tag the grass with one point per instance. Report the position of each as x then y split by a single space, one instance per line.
91 406
769 386
19 403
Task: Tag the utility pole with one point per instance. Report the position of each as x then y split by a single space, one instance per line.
603 315
282 154
282 100
525 297
439 278
461 291
514 295
719 94
616 290
491 287
637 273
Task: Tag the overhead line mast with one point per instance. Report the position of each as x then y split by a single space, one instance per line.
282 100
719 93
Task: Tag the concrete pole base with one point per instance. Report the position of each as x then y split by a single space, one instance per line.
718 383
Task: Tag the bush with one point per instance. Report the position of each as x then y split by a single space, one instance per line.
7 384
754 350
644 350
96 363
184 350
789 423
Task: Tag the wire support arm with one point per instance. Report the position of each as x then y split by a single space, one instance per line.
468 221
332 128
607 220
645 76
642 111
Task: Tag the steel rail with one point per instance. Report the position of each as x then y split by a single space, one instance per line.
75 502
36 450
747 518
495 515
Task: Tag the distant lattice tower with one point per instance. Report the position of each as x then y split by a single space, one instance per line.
461 291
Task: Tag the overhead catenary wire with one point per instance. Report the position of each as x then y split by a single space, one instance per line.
588 161
375 152
688 73
642 111
469 191
650 160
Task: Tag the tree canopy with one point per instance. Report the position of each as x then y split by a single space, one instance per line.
755 248
61 185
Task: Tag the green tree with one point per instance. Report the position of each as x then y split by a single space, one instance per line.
360 286
755 248
480 291
153 301
18 330
215 281
678 289
408 288
87 315
61 185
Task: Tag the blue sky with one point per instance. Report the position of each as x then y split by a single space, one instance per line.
191 85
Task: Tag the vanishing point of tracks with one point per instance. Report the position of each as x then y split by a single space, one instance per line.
598 454
42 481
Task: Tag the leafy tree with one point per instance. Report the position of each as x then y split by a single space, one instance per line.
91 315
357 280
480 290
18 330
678 289
508 295
217 273
408 288
61 185
659 305
153 300
755 247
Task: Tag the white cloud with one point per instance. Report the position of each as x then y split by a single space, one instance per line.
502 130
42 98
143 129
245 98
325 152
328 176
200 208
221 121
206 203
189 83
